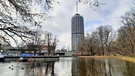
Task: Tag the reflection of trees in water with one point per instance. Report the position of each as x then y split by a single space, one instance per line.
101 67
40 68
84 67
105 67
130 69
50 68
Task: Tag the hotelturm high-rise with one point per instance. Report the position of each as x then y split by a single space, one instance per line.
77 31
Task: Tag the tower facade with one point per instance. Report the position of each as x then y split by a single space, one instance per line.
77 31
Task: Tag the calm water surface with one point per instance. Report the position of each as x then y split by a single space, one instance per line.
69 66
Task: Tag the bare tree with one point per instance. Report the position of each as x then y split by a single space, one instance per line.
125 41
94 4
50 41
126 36
17 17
99 42
104 37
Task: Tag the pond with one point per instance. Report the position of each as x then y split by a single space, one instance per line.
69 66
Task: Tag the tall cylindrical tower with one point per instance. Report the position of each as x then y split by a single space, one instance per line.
77 32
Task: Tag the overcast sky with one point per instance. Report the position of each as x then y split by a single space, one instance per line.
60 24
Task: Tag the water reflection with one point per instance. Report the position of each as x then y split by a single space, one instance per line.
40 68
69 66
102 67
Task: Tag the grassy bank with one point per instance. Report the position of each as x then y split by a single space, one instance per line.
126 58
98 56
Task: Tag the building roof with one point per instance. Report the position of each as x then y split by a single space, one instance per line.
77 15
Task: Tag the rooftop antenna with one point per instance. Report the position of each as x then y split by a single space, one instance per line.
76 7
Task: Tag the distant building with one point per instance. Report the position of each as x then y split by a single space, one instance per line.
77 32
51 48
